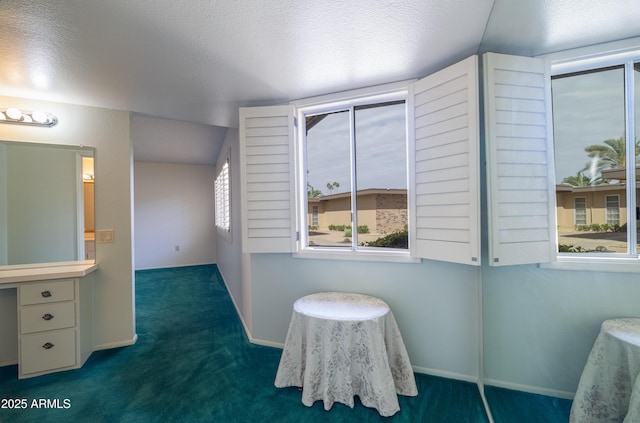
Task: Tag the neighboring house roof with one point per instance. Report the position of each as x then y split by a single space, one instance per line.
589 188
619 173
367 191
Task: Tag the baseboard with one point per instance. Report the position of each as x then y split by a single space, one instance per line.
445 374
8 362
174 266
118 344
529 389
266 343
247 332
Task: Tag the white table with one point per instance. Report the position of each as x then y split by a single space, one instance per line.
342 344
609 388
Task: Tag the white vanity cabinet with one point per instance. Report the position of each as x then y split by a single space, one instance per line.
55 321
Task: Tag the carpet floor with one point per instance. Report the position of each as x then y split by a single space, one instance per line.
193 363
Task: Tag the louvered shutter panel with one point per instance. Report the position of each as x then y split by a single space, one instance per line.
446 200
519 144
267 179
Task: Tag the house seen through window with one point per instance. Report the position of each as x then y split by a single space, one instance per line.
356 177
596 150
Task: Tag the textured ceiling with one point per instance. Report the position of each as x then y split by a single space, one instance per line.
199 60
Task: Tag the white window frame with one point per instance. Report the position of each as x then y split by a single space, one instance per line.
222 194
591 58
327 104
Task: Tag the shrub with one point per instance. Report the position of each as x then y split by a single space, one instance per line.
363 229
393 240
569 248
338 227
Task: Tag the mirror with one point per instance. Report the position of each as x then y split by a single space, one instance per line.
46 203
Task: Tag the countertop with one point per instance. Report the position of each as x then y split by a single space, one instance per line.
38 272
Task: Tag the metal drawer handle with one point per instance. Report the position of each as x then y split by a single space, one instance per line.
46 294
47 316
48 346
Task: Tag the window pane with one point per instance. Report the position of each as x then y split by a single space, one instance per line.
328 167
613 210
590 159
381 175
580 205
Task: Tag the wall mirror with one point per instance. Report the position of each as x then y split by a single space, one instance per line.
46 203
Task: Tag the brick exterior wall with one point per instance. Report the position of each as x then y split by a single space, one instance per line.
391 213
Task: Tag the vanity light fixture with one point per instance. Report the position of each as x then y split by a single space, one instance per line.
27 117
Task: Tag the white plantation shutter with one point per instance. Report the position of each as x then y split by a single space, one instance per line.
520 171
446 198
222 197
267 179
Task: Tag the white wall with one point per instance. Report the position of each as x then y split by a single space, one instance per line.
435 304
540 324
109 132
174 206
232 263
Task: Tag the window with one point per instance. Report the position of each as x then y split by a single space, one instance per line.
315 216
613 210
596 149
580 207
393 162
222 200
356 167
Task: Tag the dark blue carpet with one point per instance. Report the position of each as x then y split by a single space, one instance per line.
193 363
514 406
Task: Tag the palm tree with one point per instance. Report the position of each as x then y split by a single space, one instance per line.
582 180
312 192
332 186
611 154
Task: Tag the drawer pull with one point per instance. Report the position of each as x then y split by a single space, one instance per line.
48 346
46 294
47 316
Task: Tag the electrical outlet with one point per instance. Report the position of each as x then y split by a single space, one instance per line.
104 235
177 248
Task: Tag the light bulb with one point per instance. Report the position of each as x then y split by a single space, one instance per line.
13 113
39 116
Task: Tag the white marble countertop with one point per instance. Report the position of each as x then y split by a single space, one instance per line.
44 271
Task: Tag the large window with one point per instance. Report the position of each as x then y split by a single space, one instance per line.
386 173
223 200
595 117
356 176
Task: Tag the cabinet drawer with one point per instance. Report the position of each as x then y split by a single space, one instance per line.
47 351
46 292
41 317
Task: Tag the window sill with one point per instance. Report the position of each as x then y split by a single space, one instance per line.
596 264
350 255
